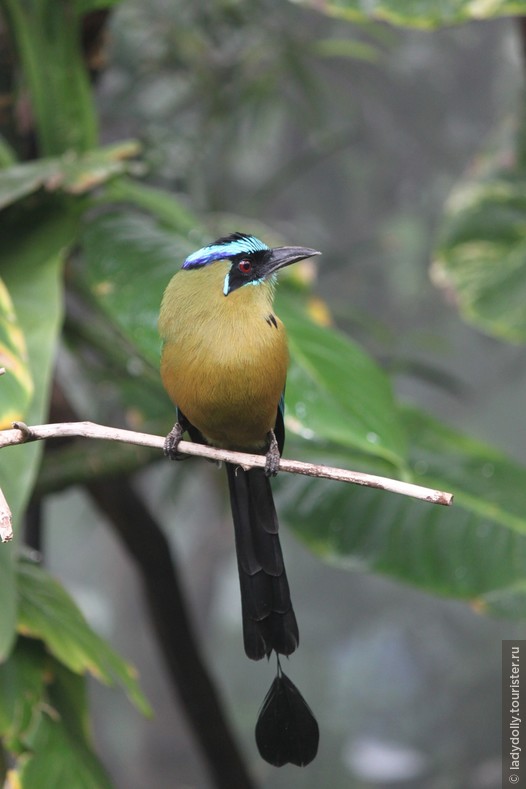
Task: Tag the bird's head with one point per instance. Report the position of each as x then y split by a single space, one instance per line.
251 261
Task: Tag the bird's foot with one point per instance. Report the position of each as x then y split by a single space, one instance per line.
172 441
273 456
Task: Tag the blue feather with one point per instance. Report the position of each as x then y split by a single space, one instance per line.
236 244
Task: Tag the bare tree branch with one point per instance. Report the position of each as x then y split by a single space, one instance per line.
21 433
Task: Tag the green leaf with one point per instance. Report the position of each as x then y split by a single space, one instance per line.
7 595
481 258
22 688
162 205
68 697
36 691
71 173
47 37
417 13
59 759
7 154
16 385
129 262
335 391
471 550
20 180
128 259
34 243
508 603
82 173
86 6
485 481
47 612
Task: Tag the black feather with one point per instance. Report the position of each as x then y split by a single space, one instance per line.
232 237
269 622
286 730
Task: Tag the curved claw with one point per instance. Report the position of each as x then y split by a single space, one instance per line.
172 441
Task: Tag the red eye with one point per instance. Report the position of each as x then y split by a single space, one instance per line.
245 266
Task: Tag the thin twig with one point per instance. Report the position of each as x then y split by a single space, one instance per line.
21 433
6 520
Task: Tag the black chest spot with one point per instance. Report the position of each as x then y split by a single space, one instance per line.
271 320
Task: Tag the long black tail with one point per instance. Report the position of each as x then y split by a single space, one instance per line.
269 622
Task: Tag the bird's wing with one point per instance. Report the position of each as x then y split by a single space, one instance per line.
279 428
189 428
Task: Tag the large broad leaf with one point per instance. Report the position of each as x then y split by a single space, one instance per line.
481 258
34 244
417 13
129 261
34 248
47 612
71 173
335 391
471 550
46 34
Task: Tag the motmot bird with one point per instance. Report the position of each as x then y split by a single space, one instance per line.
224 364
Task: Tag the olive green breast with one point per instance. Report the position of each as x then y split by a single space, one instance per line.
224 358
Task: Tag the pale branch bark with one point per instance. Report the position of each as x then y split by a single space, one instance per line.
21 434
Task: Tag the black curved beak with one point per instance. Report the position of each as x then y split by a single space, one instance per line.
284 256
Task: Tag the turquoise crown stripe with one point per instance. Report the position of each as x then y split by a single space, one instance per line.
235 245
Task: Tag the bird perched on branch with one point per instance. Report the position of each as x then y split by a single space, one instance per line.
224 364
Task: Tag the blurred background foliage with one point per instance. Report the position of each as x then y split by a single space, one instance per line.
132 132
